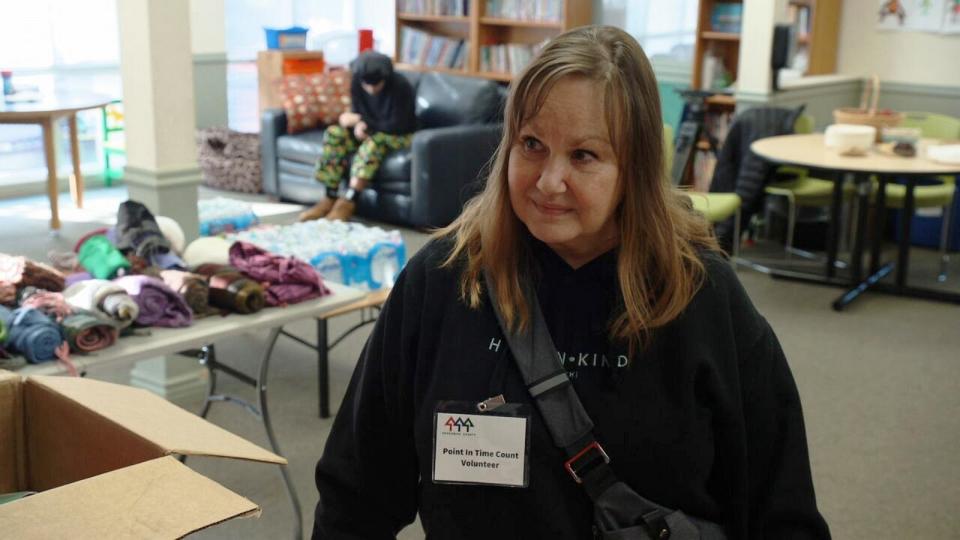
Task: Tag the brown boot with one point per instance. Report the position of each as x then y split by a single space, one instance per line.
342 210
317 211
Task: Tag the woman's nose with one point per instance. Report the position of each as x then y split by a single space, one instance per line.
553 177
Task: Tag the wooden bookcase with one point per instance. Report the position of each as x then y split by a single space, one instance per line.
819 38
477 29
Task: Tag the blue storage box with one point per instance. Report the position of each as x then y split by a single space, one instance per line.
294 37
925 230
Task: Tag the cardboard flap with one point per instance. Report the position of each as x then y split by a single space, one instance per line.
12 451
160 498
156 419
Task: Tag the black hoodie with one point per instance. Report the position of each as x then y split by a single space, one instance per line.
706 418
392 109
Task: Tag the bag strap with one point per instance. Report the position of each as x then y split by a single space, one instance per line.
566 419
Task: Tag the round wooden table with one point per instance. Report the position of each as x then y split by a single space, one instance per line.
809 150
47 111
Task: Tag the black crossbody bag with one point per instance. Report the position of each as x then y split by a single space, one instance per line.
620 513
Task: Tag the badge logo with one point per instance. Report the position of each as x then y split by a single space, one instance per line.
461 424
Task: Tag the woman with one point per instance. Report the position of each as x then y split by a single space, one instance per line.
686 384
382 121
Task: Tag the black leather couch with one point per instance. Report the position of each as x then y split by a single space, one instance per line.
458 128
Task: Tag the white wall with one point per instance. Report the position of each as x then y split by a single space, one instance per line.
909 57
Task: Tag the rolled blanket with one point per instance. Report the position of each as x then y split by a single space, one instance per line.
288 279
21 272
137 231
32 334
99 257
8 293
77 277
97 232
192 287
103 297
230 290
159 304
86 332
52 304
64 261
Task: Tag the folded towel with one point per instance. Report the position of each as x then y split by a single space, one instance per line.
192 287
99 257
230 290
288 280
52 304
32 334
21 272
86 332
104 297
159 304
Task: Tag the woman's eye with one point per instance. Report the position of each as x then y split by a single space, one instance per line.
583 155
531 144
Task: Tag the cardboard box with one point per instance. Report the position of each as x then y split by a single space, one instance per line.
100 454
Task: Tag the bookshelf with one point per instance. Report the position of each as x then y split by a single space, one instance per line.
495 34
818 19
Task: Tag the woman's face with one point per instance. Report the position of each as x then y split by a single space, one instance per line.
563 173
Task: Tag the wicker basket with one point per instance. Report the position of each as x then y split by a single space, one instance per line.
870 117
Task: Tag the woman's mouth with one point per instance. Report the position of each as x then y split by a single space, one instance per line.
550 209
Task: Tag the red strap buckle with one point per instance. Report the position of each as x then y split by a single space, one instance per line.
569 464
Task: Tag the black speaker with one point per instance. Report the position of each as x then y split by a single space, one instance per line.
783 50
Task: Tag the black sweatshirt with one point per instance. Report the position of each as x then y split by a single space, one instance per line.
706 419
391 110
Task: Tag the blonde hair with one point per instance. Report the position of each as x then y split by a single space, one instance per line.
658 265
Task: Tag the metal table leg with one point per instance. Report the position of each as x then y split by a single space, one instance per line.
323 370
265 415
207 356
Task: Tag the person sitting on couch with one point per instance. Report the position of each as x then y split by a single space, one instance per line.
382 120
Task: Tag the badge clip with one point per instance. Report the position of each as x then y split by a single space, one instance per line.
490 404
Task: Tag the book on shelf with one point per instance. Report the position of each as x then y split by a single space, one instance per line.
450 8
526 10
508 57
726 17
424 49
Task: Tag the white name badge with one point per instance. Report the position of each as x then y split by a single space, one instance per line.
481 448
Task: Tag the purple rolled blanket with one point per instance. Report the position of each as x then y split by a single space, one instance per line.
159 304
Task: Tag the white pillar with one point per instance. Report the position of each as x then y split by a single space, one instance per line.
754 77
156 68
208 38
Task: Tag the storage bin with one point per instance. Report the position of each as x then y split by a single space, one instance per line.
294 37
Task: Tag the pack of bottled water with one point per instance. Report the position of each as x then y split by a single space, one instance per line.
221 215
343 252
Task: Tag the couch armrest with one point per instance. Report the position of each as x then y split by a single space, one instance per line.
273 123
446 170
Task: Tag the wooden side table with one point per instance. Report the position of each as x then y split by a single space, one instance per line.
47 112
270 71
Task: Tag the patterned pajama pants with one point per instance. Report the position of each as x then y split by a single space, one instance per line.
339 143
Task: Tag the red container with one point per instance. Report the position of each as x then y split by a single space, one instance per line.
366 39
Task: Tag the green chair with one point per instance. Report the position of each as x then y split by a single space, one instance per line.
716 207
933 126
801 190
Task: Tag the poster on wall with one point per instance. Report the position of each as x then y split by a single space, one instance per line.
912 15
951 17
